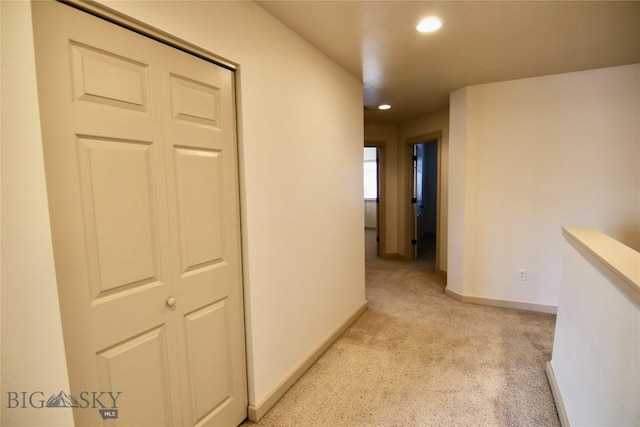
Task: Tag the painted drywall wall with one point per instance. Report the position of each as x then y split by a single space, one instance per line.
596 348
300 136
33 359
388 135
457 232
434 122
528 156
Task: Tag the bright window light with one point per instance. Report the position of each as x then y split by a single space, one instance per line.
370 173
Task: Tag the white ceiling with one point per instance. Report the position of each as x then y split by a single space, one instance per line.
480 42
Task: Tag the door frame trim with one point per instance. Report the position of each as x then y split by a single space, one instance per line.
122 20
409 226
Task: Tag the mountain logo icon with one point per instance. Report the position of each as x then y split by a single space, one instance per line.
62 400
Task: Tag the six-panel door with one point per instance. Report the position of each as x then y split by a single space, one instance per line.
141 166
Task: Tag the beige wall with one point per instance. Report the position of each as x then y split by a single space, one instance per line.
32 349
528 156
300 136
458 207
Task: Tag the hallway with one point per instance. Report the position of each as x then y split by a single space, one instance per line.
419 358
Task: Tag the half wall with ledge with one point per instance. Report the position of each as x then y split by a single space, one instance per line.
594 372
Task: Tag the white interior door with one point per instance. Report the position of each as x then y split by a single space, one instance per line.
141 166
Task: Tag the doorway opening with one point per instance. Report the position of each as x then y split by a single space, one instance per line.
374 208
423 195
425 190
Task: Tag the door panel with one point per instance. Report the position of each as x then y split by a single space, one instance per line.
208 367
102 149
141 167
109 79
198 176
194 101
121 225
119 369
200 155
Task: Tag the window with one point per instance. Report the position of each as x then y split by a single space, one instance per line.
370 173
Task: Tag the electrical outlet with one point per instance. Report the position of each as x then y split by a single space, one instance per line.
522 274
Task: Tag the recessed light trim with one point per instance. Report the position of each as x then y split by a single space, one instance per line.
384 107
430 24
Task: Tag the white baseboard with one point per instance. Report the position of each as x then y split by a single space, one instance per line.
557 397
541 308
256 412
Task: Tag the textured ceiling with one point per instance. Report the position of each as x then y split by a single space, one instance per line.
480 42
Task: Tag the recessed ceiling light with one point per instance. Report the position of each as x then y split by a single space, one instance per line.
430 24
384 107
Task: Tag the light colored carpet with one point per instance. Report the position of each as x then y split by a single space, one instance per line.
420 358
